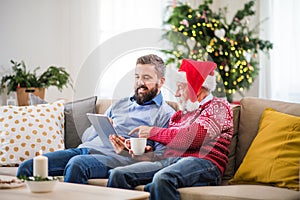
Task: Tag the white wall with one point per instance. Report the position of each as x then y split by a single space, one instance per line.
65 33
44 33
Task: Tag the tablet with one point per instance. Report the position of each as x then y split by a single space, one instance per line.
103 126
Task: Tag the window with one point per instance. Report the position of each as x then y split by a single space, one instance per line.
140 18
280 80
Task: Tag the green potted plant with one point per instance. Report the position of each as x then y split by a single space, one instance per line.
24 81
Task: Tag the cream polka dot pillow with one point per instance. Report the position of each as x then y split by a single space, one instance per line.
25 130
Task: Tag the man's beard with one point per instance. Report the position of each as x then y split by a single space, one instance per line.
188 106
141 98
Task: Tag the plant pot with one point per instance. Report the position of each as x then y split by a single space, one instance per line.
22 94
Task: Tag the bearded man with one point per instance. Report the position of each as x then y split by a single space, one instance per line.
92 159
196 140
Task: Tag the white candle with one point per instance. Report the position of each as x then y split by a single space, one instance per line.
40 165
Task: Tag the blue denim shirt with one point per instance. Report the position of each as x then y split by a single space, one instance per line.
126 115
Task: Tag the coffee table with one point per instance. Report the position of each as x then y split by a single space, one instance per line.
71 191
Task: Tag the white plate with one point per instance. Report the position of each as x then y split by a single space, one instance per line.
17 183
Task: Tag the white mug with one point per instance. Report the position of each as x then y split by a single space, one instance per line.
137 145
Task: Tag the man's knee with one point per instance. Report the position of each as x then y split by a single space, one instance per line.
75 171
116 173
75 164
25 168
161 179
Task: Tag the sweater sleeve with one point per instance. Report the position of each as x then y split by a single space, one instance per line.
191 133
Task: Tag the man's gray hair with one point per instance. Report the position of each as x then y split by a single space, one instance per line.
210 83
155 60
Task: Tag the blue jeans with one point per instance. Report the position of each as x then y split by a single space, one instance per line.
76 165
162 178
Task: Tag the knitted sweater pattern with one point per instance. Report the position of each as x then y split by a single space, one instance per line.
204 133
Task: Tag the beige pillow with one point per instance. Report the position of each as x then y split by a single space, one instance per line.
25 130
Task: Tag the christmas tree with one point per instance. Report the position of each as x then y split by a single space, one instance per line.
202 34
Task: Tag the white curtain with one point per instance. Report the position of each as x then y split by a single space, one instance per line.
117 17
111 35
280 79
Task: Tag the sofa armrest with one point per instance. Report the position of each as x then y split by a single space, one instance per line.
230 168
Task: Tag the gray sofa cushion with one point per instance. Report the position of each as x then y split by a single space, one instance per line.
76 121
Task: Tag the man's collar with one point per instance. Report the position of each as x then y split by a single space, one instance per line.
156 100
206 99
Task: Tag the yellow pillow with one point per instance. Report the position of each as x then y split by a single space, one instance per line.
273 157
25 130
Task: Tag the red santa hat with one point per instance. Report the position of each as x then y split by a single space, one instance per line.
196 73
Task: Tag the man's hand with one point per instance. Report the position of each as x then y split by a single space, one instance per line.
147 156
143 131
118 144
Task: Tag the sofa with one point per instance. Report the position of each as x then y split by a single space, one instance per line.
247 119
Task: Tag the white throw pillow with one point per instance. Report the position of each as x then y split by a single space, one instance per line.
25 130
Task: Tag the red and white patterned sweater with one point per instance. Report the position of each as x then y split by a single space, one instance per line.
203 133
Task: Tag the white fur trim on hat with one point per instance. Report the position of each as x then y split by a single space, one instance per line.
210 83
182 77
